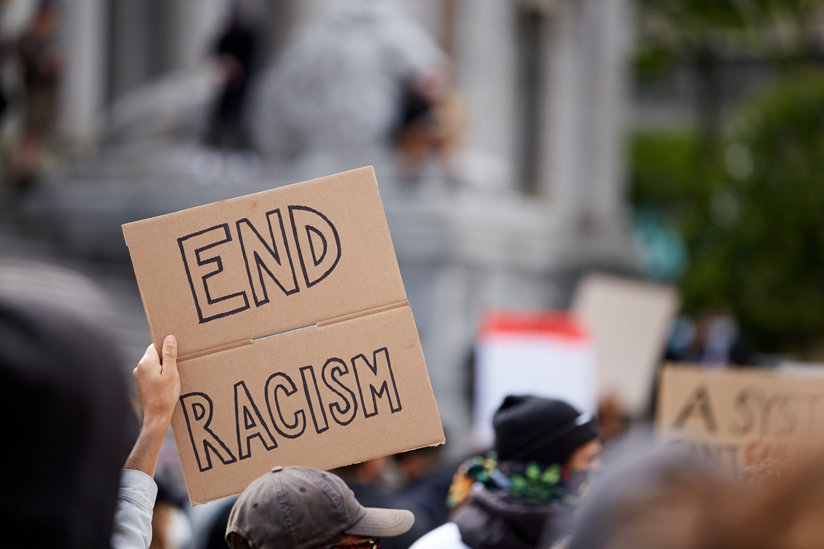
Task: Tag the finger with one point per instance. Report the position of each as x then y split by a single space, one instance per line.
151 353
170 351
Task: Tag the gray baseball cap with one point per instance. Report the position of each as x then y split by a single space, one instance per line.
305 508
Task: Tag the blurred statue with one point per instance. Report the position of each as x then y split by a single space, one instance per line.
334 95
235 51
425 126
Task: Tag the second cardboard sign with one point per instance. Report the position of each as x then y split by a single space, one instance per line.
744 418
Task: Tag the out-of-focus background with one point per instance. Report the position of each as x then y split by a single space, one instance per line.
519 145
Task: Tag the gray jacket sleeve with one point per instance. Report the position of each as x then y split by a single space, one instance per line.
133 517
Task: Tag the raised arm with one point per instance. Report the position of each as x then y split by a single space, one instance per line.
158 388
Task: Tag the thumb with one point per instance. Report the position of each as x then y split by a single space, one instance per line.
170 352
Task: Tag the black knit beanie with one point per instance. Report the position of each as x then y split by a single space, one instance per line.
544 430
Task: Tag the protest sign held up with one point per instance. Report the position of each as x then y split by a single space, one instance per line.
628 322
742 417
545 353
297 343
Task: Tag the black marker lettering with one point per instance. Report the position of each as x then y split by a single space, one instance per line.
192 248
249 423
699 401
197 410
313 399
282 382
315 236
262 258
377 376
331 373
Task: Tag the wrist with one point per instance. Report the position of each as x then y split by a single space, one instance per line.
157 423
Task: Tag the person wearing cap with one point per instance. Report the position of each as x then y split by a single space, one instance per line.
519 496
305 508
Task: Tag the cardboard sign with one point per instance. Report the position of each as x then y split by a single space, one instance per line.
742 417
629 322
296 341
543 353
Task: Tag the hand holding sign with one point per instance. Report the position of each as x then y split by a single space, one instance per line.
158 388
158 383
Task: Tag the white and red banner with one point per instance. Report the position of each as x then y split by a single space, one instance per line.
542 353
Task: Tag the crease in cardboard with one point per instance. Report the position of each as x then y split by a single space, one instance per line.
213 350
258 338
363 313
321 324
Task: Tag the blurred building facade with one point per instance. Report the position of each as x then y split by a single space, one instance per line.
544 84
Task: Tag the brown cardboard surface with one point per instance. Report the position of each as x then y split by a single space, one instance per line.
184 260
629 322
320 379
343 378
741 417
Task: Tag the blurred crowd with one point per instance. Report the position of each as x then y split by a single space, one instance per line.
92 462
551 478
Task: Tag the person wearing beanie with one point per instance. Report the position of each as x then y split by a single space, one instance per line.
305 508
520 495
544 430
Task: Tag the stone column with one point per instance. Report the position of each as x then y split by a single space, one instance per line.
607 83
82 93
560 126
427 13
582 171
130 62
195 24
485 59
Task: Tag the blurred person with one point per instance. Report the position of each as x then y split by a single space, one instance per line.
667 498
671 498
366 480
784 508
305 508
158 388
417 133
41 63
613 419
171 528
331 99
69 418
428 129
215 529
713 339
67 414
539 469
425 480
235 52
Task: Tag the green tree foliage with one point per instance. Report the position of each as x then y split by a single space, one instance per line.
675 178
743 191
773 240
